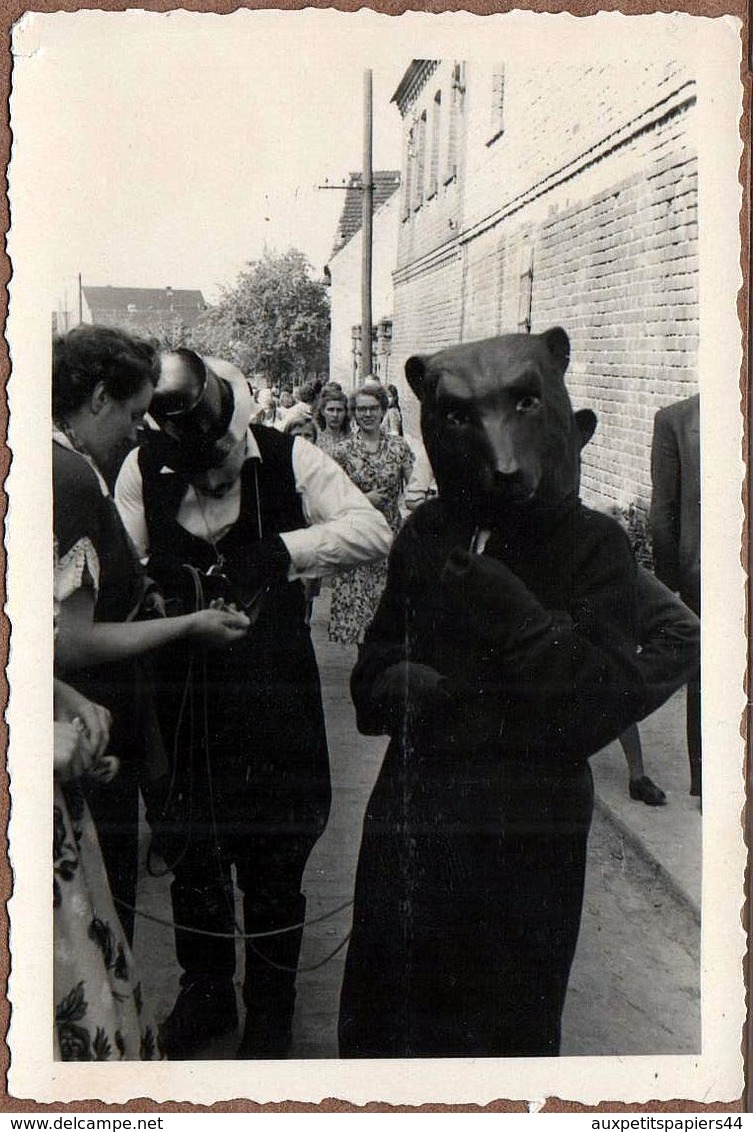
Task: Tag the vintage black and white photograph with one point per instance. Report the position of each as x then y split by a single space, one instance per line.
377 459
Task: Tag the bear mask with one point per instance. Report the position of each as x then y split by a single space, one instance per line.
499 428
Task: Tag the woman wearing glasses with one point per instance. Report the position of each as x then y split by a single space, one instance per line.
380 466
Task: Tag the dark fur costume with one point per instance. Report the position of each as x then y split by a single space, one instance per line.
496 676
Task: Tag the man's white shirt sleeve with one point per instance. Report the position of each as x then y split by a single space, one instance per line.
345 529
129 499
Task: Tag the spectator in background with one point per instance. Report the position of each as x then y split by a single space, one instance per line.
301 427
303 409
269 413
675 520
393 418
380 466
332 417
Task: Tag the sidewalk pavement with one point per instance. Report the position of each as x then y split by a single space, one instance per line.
667 837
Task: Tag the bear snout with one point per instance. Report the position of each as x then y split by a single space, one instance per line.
516 487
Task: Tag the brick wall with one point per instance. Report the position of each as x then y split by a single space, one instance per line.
427 318
620 273
608 219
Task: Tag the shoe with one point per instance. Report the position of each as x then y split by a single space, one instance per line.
644 790
204 1009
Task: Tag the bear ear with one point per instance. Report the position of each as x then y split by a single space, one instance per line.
558 344
586 421
415 371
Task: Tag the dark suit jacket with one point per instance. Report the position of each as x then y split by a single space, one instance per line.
675 516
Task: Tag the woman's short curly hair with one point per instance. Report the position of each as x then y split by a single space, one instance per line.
371 388
329 394
89 354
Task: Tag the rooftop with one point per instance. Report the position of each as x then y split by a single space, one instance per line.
386 182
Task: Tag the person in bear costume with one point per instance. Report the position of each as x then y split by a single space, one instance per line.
503 654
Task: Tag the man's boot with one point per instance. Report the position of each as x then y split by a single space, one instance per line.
204 1009
206 1006
269 985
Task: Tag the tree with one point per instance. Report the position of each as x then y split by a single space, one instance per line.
274 320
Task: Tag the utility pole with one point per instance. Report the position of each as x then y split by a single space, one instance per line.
80 301
366 228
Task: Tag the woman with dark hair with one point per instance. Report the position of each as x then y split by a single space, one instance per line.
102 384
380 465
393 418
333 418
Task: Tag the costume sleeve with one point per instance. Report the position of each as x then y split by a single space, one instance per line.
129 499
664 514
524 680
345 530
546 680
670 649
387 647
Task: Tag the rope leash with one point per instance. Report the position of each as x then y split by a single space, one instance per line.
188 698
167 923
163 922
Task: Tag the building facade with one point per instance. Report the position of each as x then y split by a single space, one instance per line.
344 273
561 197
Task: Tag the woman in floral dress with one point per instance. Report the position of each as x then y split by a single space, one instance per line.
98 1007
380 466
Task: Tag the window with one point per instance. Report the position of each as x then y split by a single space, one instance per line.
410 157
457 95
497 107
436 131
525 290
420 170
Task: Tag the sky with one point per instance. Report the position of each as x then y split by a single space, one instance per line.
172 149
169 149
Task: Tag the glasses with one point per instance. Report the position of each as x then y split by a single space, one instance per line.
368 409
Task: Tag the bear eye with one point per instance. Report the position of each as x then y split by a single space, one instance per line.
457 417
528 403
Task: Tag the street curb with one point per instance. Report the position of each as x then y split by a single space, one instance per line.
641 849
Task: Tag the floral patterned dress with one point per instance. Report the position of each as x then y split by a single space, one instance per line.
356 592
98 1008
330 443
